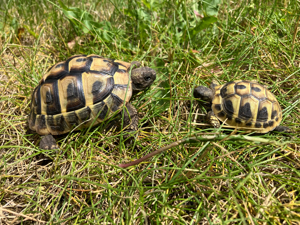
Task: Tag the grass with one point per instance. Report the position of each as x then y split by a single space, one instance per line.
211 182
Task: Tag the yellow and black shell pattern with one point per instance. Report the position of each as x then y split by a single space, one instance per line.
247 104
78 92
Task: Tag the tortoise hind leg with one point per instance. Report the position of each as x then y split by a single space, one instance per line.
131 119
130 123
282 129
48 142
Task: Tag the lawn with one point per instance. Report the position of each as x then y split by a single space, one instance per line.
207 175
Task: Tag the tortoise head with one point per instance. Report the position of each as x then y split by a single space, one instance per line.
204 93
142 78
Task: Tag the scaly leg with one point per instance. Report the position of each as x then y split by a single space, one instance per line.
212 119
48 142
131 119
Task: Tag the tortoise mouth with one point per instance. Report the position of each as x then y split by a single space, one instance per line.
139 87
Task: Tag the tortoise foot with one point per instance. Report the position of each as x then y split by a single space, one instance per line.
48 142
212 119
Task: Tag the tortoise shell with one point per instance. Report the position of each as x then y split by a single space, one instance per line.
79 92
247 104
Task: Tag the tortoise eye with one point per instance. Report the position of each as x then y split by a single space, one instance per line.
147 78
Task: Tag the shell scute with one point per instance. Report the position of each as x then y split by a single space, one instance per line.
100 111
248 108
242 88
71 119
97 87
231 105
56 123
41 126
49 100
264 111
258 91
227 89
79 65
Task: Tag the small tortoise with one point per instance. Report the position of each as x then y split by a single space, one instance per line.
243 104
84 91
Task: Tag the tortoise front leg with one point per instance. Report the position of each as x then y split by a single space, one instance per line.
212 119
48 142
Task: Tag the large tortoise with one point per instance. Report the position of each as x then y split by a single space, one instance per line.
242 104
84 91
